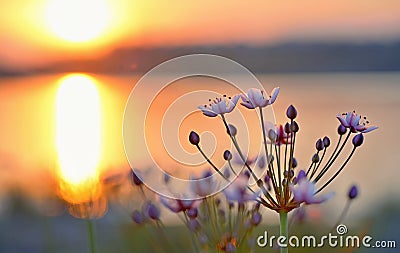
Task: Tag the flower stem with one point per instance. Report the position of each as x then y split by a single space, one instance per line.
92 240
284 229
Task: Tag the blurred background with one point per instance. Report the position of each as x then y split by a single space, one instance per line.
72 65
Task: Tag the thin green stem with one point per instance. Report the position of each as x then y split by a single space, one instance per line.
92 239
342 215
211 163
329 164
337 173
262 187
284 229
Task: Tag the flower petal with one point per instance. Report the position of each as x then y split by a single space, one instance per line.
232 103
342 120
369 129
274 95
207 111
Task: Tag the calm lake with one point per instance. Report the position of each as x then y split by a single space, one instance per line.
28 129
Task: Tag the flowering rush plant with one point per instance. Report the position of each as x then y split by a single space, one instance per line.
224 222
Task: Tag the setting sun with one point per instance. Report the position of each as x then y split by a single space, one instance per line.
78 20
78 133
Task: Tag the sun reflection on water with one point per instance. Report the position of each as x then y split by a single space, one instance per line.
78 138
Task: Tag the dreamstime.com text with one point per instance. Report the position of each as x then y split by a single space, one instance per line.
331 240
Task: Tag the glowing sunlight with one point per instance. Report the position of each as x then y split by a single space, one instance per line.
78 20
78 134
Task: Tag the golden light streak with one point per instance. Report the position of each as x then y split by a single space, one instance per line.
78 137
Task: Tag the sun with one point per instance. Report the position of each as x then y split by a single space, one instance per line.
78 20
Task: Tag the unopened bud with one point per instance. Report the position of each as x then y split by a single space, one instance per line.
291 112
232 130
256 218
135 179
287 128
192 213
358 140
353 192
261 162
153 212
294 163
326 141
194 138
272 135
315 158
167 177
341 130
319 145
137 217
294 127
227 155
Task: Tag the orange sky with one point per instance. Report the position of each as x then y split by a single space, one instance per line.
30 36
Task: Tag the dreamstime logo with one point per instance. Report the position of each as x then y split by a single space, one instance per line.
156 124
310 241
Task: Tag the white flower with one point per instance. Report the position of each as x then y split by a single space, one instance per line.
219 106
179 205
355 122
255 98
304 191
238 192
205 185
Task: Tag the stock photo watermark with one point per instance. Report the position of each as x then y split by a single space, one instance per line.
340 239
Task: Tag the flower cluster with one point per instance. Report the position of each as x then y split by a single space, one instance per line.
223 222
282 188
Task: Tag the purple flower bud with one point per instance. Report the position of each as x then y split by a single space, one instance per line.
294 163
232 130
227 173
230 248
166 178
193 225
294 127
267 181
153 212
341 130
319 145
301 175
358 140
137 217
353 192
246 173
194 138
192 213
291 112
261 162
287 128
315 158
272 135
326 141
135 179
256 219
227 155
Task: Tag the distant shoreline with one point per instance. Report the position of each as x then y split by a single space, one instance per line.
283 58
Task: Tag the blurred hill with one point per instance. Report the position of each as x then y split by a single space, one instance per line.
289 57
